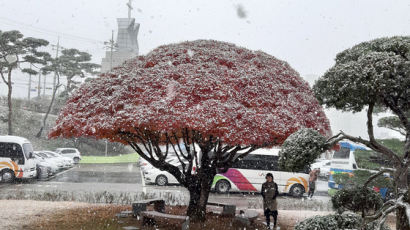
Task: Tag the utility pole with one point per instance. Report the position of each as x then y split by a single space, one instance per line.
29 86
111 45
112 48
44 86
39 85
55 72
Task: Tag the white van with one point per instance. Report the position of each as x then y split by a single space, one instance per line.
249 174
16 159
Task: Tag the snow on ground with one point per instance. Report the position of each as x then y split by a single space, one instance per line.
15 214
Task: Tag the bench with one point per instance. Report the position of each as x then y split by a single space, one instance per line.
154 217
141 205
227 209
246 219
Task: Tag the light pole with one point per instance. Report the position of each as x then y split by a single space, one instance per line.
110 45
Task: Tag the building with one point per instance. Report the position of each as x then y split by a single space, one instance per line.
126 46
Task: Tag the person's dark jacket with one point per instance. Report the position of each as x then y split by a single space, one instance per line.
264 188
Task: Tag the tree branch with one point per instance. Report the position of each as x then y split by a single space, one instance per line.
376 175
179 147
387 208
378 148
400 113
2 77
176 152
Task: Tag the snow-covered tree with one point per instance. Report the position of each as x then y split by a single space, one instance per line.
393 123
74 63
357 199
368 75
208 102
17 51
301 149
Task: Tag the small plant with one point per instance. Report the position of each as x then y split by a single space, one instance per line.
336 222
358 199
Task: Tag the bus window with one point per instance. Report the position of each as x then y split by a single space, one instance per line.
2 150
14 152
258 162
343 153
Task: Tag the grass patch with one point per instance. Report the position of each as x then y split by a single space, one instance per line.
332 191
125 158
96 217
103 217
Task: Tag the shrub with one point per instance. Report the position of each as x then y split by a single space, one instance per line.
335 222
301 149
357 199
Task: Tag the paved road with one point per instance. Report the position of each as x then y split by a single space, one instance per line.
102 173
116 178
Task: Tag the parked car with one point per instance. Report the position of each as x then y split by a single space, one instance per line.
324 166
145 165
56 161
159 177
51 162
72 153
67 161
44 168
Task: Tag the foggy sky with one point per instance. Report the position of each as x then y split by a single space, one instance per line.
307 34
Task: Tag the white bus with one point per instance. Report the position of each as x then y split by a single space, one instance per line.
249 174
16 159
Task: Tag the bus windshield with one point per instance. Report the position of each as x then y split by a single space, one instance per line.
27 149
343 153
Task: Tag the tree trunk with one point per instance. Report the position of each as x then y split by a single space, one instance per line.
9 103
199 194
43 125
402 221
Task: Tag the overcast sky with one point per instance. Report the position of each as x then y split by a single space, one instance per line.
307 34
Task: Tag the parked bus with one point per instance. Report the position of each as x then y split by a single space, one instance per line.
344 162
16 159
249 174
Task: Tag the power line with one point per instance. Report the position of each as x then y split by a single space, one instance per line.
52 32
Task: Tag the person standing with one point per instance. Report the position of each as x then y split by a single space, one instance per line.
312 181
269 194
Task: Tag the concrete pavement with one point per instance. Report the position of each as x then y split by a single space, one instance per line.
126 178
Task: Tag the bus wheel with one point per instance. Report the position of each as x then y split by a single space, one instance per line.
222 186
7 176
297 190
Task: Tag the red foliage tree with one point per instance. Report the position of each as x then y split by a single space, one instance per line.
210 102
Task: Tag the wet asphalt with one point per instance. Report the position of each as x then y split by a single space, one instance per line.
114 178
101 173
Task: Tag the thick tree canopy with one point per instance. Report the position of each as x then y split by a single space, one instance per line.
375 75
218 89
375 72
301 149
394 123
